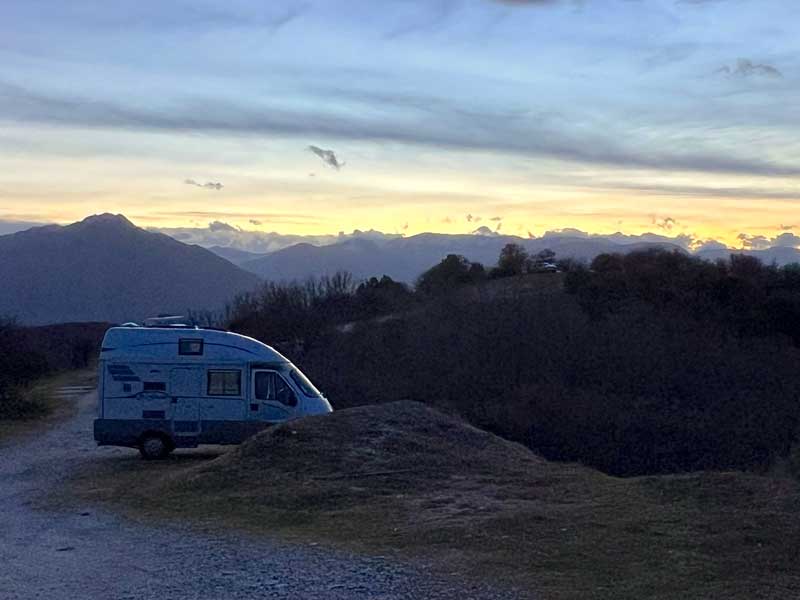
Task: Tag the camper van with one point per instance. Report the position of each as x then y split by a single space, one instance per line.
168 387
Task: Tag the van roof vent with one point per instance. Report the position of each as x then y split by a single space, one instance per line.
166 321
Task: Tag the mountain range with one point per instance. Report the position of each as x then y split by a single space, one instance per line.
404 259
104 268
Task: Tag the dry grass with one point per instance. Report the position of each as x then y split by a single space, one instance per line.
403 479
41 405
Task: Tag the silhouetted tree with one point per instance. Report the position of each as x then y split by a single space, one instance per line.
513 261
382 296
452 272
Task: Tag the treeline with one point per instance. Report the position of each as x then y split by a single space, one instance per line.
740 295
647 363
299 315
29 353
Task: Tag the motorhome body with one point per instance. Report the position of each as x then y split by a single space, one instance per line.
161 388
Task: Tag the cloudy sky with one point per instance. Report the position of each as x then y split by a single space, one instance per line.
679 117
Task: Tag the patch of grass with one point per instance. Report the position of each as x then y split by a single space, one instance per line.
27 409
401 479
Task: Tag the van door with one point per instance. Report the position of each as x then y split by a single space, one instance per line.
272 398
186 384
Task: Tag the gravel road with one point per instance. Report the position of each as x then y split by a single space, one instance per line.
89 554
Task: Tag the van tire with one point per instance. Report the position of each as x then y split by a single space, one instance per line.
154 446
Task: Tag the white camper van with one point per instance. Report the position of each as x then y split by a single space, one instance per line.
162 388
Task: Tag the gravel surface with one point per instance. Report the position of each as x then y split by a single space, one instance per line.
90 554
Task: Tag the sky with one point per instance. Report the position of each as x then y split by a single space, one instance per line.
678 117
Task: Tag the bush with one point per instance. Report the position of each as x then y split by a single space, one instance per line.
18 403
635 393
29 353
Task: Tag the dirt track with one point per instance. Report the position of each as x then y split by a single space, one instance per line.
90 554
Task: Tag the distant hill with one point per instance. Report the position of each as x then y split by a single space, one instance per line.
235 255
404 259
779 255
104 268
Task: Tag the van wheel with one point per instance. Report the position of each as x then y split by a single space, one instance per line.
154 447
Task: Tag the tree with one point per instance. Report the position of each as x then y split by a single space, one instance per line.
454 271
381 296
513 261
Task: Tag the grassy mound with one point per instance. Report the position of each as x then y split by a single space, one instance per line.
402 478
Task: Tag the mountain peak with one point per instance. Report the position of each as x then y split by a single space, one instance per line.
104 268
107 219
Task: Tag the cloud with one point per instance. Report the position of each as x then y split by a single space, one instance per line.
707 245
208 185
762 242
220 233
437 124
748 193
667 223
786 240
754 242
327 156
496 219
747 68
788 227
217 226
255 222
527 2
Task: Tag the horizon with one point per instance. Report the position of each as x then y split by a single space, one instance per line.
669 117
222 235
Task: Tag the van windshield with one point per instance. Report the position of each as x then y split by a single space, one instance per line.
304 384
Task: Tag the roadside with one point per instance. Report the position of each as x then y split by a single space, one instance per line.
52 399
54 549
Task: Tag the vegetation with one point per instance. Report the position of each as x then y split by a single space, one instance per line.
299 316
653 362
29 353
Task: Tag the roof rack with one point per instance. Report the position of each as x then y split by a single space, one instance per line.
168 321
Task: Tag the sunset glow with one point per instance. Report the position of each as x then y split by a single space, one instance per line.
664 116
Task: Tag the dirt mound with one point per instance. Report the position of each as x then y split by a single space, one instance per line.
401 437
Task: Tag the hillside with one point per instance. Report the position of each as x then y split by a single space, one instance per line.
106 269
404 259
235 255
403 479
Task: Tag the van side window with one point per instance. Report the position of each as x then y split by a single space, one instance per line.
271 387
154 386
187 347
224 383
